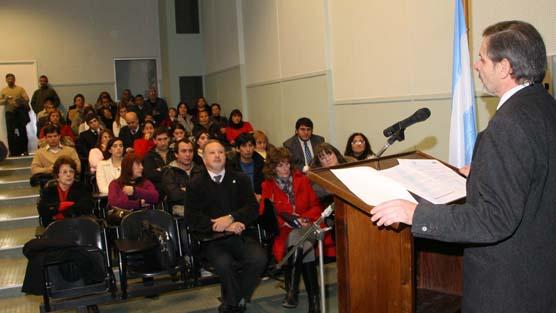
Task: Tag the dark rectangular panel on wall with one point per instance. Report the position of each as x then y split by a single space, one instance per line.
187 16
191 87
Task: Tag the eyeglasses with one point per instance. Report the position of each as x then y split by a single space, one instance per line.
358 142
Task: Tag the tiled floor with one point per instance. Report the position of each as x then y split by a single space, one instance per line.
267 299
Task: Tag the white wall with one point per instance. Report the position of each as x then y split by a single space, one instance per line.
182 54
361 65
74 42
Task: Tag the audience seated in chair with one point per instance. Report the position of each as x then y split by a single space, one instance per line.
119 119
178 174
185 118
76 113
141 108
97 153
88 139
215 116
43 115
297 206
131 131
66 134
218 201
44 158
326 156
111 167
261 143
158 105
178 133
145 143
358 147
237 126
64 197
302 145
201 139
157 158
247 161
213 129
131 190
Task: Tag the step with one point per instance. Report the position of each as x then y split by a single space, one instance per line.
12 241
11 276
24 215
19 196
21 161
18 179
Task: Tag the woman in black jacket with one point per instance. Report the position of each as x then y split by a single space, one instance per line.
64 197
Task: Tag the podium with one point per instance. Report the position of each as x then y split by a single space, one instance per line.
385 269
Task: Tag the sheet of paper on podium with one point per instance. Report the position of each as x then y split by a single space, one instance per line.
429 179
371 186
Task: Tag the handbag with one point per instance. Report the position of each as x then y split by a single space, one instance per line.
269 220
115 215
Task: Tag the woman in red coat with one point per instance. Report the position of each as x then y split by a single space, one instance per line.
296 203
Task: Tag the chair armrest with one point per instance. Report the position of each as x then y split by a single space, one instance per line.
214 236
133 246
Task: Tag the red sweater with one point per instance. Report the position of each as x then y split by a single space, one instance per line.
306 205
141 146
232 133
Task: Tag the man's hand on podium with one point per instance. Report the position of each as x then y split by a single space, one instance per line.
393 211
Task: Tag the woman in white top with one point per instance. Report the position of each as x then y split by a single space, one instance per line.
110 168
97 154
120 121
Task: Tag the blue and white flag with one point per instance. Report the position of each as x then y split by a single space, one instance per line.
463 128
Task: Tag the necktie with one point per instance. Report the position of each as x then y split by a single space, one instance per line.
308 155
217 179
132 132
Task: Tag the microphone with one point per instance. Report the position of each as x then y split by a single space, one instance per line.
419 116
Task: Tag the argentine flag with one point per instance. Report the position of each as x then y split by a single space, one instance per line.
463 129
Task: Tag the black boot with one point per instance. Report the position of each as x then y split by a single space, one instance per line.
311 286
292 275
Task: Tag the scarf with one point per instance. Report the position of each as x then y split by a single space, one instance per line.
286 185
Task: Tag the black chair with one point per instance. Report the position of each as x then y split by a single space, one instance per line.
135 253
59 293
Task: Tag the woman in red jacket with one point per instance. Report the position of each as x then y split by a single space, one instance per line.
296 206
143 145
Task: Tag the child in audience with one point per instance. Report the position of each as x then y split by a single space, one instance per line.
97 153
237 126
131 190
142 145
111 167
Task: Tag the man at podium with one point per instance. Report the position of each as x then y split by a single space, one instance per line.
509 218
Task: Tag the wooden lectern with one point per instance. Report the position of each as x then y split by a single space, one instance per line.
385 269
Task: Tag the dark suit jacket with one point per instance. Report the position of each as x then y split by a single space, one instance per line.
49 202
206 200
128 138
87 140
509 216
296 151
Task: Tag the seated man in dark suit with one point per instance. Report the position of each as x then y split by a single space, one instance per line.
221 201
303 144
89 138
131 131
